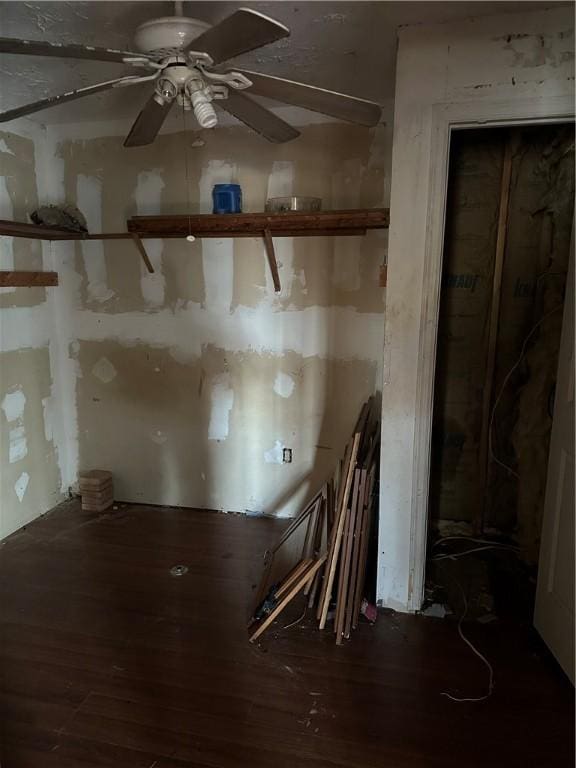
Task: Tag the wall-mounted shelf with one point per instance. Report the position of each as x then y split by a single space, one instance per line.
290 224
20 279
265 225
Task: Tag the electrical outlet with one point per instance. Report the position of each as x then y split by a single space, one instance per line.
287 455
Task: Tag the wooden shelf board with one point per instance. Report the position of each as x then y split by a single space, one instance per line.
20 279
33 231
292 224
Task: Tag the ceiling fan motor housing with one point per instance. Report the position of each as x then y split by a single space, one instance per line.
168 35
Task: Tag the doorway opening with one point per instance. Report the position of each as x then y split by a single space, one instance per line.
507 244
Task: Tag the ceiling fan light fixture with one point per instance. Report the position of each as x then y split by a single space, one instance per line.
166 89
201 99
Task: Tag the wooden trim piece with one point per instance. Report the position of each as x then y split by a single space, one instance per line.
272 263
308 515
354 568
142 251
364 546
493 324
20 279
346 561
336 539
297 521
300 584
293 576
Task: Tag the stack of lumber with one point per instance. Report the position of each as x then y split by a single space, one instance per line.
324 551
96 490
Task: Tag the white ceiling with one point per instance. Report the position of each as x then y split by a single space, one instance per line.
345 46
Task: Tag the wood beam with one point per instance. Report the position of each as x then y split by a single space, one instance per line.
20 279
493 323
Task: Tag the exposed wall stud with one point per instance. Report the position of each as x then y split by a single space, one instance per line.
493 322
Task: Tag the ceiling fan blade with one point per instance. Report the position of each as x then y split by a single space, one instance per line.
258 118
243 31
338 105
41 48
54 101
148 123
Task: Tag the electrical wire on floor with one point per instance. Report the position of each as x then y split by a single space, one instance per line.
486 544
444 539
473 648
505 383
293 623
456 555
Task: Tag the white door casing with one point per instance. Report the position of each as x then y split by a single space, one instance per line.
448 76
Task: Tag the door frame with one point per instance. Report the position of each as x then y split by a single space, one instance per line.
444 119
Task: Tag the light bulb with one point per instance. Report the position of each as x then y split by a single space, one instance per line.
190 238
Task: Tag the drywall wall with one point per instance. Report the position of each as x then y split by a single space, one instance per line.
188 383
33 446
500 68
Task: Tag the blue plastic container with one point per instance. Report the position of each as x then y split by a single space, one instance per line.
227 198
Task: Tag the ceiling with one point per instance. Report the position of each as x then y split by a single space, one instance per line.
345 46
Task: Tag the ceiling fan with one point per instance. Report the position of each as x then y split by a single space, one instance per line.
184 56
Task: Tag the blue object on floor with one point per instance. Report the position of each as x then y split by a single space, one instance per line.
227 198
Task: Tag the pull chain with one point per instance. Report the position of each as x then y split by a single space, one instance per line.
190 237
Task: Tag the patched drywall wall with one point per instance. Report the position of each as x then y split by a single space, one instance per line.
18 197
191 381
31 438
342 164
209 431
29 473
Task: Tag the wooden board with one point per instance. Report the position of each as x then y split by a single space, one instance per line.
321 544
346 560
293 546
32 231
355 561
293 576
253 224
300 517
288 597
336 538
22 279
493 323
364 546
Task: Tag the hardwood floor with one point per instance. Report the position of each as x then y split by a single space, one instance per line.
108 660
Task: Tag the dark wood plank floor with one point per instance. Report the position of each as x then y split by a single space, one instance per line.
107 660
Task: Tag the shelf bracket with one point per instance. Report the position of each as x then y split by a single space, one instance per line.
142 251
272 263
